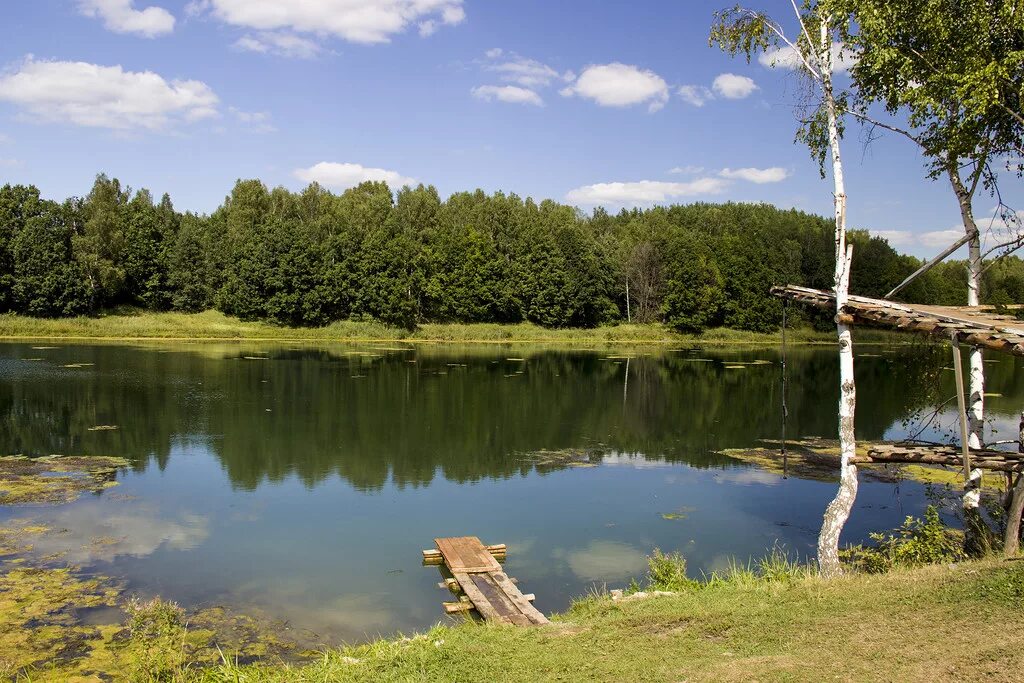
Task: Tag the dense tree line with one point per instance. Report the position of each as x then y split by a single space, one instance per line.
313 257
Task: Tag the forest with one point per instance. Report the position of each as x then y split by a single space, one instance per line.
313 257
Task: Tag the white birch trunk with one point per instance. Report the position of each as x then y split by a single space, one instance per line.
976 379
839 509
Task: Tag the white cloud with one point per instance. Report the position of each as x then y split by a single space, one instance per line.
343 176
896 238
642 192
760 176
687 170
120 16
253 121
788 58
279 43
620 85
105 96
357 21
697 95
507 93
520 70
733 87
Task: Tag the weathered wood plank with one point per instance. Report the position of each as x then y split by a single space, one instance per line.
466 554
521 601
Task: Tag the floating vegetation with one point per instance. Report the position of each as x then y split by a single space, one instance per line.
55 478
993 395
697 360
44 348
818 459
735 367
32 359
43 636
255 358
516 360
102 428
566 457
78 365
679 513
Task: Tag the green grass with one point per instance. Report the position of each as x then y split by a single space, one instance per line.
212 325
936 623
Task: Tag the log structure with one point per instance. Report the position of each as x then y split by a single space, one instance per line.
974 325
477 578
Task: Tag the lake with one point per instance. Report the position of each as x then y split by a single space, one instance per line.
301 482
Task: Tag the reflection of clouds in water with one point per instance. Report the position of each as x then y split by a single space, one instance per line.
746 476
91 532
639 462
604 560
344 617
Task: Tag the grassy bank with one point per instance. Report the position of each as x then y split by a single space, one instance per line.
212 325
936 623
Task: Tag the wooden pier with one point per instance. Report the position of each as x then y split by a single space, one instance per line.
477 578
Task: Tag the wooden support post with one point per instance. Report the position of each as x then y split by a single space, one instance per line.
961 403
1011 540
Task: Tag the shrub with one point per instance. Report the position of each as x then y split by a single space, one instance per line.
667 572
917 542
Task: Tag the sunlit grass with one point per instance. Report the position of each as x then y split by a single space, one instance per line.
131 325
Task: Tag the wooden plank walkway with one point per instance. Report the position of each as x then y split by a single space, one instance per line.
970 325
477 575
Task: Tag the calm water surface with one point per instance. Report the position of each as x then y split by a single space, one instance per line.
302 482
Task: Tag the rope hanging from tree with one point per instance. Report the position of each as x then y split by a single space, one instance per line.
785 407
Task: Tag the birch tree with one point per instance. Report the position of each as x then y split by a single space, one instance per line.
953 74
748 32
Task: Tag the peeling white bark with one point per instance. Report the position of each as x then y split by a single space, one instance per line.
838 510
976 380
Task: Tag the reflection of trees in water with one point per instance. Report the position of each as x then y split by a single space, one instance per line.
303 413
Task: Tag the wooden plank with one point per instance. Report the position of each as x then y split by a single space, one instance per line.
466 554
515 595
480 601
501 603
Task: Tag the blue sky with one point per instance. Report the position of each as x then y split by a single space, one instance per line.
577 101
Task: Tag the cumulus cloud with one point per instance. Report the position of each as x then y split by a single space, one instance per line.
786 57
105 96
120 16
279 43
760 176
507 93
733 87
343 176
642 192
697 95
494 53
620 85
688 170
357 21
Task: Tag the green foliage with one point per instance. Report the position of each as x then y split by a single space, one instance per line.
313 258
694 286
917 542
667 572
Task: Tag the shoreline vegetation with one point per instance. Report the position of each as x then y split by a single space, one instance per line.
773 619
215 326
